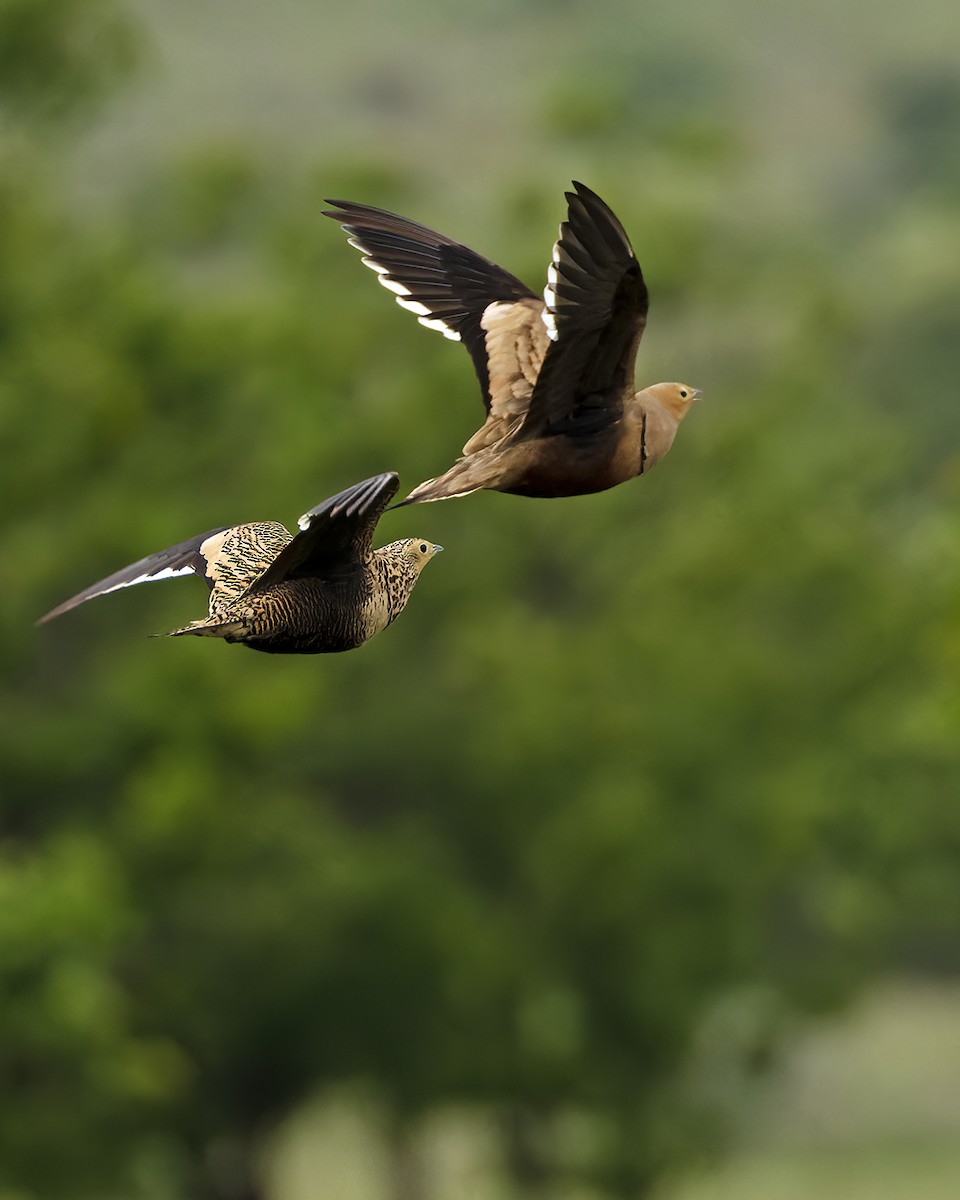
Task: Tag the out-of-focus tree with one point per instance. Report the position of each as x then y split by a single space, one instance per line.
623 758
58 57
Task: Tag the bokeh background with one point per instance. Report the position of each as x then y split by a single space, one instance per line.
625 864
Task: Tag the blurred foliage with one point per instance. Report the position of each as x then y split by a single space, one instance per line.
59 56
623 758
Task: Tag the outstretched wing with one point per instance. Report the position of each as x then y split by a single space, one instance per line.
449 287
596 311
335 536
192 557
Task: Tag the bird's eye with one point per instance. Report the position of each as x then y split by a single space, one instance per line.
423 547
683 393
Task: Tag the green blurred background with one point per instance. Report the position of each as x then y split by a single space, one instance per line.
626 864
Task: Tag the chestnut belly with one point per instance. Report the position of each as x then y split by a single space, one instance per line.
563 466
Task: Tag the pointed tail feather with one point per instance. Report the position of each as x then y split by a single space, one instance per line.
445 487
208 628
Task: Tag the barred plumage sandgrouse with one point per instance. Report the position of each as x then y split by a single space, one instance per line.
319 591
557 373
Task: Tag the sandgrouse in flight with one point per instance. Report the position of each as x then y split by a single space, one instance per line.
317 592
563 418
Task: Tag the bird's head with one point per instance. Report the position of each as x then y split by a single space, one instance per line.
416 552
676 398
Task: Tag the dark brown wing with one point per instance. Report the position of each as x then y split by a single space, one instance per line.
334 537
447 285
186 558
596 312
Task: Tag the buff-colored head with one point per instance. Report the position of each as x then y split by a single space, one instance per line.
414 552
676 398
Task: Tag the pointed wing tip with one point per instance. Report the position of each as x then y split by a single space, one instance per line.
62 609
380 488
387 482
585 197
342 210
65 607
378 483
362 494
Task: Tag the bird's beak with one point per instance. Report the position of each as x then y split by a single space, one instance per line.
696 394
437 549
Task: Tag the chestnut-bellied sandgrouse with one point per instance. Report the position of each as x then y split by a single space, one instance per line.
563 418
319 591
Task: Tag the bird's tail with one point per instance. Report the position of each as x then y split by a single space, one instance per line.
470 474
435 489
209 628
